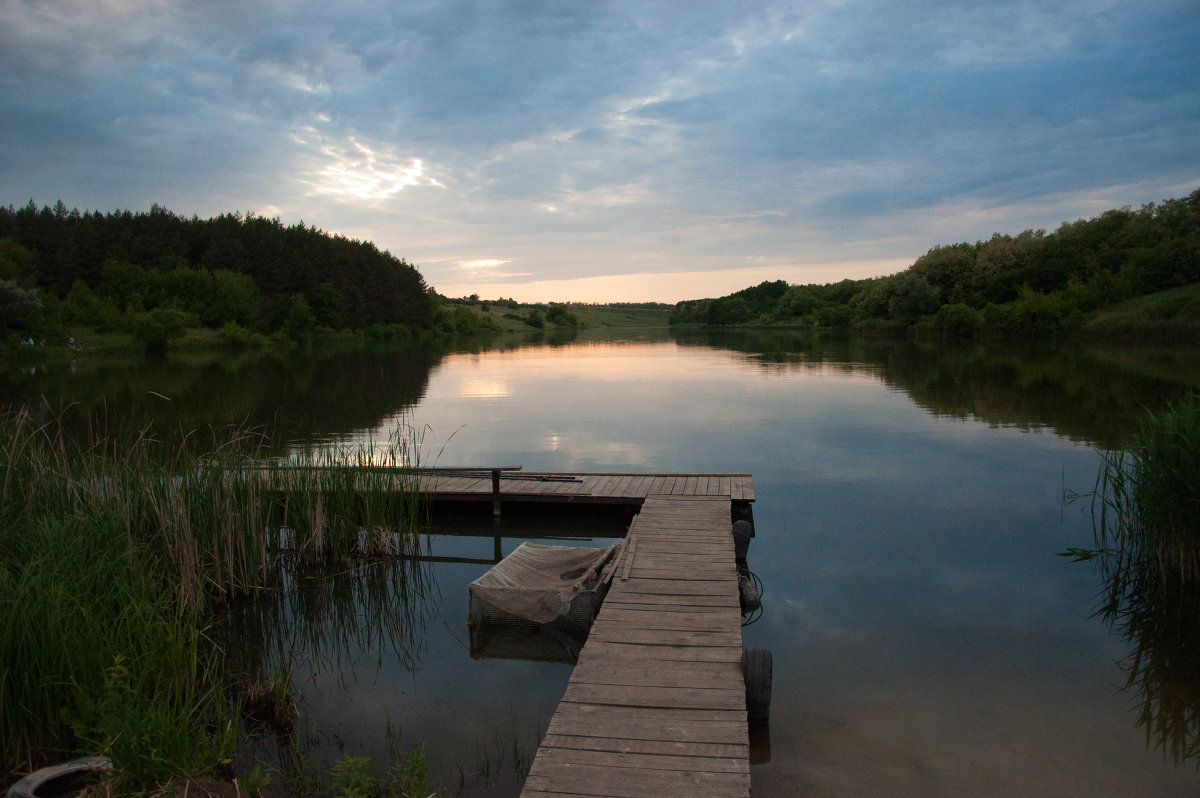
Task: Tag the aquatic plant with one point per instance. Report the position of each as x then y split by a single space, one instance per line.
1147 544
117 547
1146 503
352 778
95 649
409 776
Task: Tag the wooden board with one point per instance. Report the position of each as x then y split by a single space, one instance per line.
553 486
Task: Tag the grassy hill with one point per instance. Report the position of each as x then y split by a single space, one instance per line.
1174 313
512 317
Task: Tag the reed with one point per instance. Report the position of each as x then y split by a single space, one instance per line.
1147 543
115 550
1147 502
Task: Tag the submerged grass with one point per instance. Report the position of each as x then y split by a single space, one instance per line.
1147 501
1146 516
115 551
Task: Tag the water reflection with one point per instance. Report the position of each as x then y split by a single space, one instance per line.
291 396
1158 615
323 619
1163 624
926 639
1087 393
376 657
1090 394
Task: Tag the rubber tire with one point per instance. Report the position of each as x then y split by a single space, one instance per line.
30 786
756 670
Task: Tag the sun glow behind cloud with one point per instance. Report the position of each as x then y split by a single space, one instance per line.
353 170
667 287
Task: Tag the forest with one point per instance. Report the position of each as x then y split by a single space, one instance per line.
1035 283
155 274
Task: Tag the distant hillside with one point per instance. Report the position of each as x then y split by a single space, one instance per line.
1030 284
512 316
1173 313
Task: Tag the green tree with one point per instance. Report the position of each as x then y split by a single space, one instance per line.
298 320
20 308
327 303
236 298
155 328
958 320
16 262
912 298
558 314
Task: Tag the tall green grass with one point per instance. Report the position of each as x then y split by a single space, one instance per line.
1146 506
1146 514
96 650
116 548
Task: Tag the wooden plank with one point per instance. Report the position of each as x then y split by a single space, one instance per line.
666 484
599 780
662 603
683 617
726 721
686 727
635 746
611 486
687 573
657 696
640 486
676 587
701 550
597 671
652 652
666 637
629 759
686 561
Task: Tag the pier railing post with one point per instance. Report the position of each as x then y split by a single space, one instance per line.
496 492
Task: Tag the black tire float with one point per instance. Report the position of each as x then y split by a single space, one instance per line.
756 670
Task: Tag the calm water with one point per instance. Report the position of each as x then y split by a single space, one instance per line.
927 640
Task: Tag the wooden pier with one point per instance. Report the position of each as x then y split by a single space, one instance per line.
656 705
511 483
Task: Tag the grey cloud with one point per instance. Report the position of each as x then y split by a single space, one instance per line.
630 118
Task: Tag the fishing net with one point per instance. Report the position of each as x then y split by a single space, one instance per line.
541 584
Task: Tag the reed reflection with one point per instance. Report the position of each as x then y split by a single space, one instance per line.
1144 512
1160 620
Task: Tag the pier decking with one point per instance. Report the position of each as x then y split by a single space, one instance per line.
513 484
656 705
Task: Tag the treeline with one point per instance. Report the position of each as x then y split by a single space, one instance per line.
555 312
1030 284
119 270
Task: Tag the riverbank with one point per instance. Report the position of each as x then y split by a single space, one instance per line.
119 548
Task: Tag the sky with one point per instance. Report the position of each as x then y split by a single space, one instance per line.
608 151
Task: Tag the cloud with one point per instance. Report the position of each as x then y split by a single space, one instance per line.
596 141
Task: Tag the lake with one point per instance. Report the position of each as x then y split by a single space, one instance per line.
927 638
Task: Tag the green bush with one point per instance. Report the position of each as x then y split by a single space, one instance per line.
157 327
957 320
234 335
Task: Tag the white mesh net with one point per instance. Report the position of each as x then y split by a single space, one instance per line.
538 583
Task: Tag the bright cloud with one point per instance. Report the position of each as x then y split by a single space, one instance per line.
352 170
